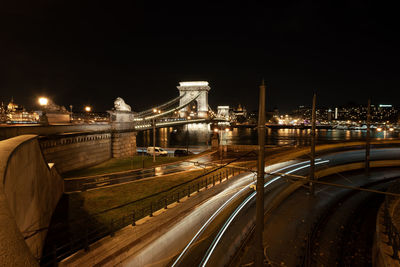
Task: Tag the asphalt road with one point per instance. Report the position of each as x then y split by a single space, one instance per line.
216 246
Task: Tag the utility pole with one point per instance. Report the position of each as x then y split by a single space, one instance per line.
258 246
312 160
368 145
154 140
187 139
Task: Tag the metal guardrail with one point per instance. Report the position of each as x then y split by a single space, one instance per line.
72 244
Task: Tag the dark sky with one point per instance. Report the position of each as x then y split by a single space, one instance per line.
90 52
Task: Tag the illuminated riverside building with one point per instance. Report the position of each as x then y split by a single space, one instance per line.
357 113
14 113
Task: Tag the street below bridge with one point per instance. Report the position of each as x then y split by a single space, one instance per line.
291 220
201 228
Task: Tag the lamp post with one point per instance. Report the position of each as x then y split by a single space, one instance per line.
312 160
70 113
154 136
43 102
368 145
258 244
187 137
87 109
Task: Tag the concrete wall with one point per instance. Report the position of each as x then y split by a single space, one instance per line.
29 193
78 150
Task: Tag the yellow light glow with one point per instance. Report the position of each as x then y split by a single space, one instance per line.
379 129
43 101
216 130
88 109
154 110
188 118
227 130
391 129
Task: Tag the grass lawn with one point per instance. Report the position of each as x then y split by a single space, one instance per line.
123 164
92 204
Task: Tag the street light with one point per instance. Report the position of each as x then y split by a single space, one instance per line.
43 101
70 113
187 137
87 109
154 136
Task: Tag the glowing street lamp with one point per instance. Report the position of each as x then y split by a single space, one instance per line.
88 108
43 101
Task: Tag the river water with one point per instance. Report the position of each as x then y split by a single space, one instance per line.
200 135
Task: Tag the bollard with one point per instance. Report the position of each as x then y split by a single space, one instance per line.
188 190
213 181
165 203
133 218
151 209
220 179
206 183
178 198
198 188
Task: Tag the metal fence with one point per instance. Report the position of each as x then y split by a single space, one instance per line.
72 243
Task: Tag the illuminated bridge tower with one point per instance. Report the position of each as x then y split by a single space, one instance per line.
196 94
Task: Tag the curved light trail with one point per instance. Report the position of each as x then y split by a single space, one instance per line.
215 214
236 212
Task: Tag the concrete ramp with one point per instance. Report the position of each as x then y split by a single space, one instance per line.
29 193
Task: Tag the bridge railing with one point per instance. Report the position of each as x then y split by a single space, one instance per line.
63 245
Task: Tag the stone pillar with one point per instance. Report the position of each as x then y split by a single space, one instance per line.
123 144
123 137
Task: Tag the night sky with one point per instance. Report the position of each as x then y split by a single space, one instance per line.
90 52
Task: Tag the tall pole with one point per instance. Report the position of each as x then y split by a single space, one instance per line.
187 139
154 140
312 160
259 249
367 145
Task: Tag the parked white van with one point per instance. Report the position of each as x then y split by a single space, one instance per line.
158 151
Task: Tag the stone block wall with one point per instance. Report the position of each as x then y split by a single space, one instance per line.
78 150
123 144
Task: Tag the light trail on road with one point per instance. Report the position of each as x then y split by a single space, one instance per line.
215 214
238 209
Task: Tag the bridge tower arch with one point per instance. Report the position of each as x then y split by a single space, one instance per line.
190 90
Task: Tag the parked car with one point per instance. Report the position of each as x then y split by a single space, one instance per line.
182 153
158 151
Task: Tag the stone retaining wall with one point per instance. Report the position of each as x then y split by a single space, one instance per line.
75 151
